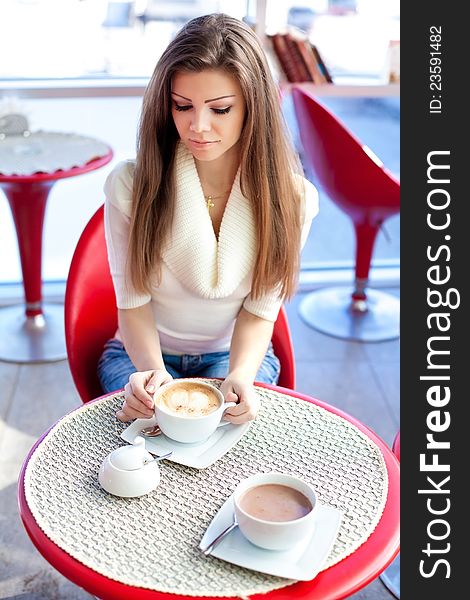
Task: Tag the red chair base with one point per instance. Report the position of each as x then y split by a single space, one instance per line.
329 311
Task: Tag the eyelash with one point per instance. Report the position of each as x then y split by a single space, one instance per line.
217 111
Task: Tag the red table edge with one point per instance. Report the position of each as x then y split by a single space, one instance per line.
338 581
91 165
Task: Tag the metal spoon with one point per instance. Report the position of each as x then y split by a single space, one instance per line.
208 549
152 431
153 460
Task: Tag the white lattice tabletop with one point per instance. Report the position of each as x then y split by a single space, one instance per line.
47 152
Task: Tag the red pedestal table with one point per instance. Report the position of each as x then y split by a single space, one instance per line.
34 331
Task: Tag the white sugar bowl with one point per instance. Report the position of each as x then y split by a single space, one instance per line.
125 472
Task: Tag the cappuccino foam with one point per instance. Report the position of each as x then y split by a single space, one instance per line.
189 400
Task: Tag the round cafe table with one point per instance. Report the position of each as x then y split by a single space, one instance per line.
29 167
147 548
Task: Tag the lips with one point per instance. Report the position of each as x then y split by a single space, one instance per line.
203 142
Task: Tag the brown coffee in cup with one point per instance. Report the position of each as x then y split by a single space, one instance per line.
189 399
275 502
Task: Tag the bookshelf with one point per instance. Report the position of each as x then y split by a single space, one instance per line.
343 86
294 60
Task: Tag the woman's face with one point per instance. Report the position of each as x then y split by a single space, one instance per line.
208 109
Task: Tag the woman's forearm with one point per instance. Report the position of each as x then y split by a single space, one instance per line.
250 342
140 337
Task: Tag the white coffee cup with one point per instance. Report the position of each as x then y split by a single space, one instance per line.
272 534
189 429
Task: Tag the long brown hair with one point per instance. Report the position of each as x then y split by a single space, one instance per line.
268 160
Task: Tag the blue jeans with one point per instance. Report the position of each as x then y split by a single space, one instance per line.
115 366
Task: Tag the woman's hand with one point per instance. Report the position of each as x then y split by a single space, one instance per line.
138 394
237 390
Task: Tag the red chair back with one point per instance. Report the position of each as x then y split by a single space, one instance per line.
90 307
284 350
91 314
344 167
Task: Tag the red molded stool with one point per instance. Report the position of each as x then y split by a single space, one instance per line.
91 314
368 193
34 332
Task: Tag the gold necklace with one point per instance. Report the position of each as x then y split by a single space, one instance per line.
209 199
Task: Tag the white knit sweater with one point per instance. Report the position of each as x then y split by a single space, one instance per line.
204 281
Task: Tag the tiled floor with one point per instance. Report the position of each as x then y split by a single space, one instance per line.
362 379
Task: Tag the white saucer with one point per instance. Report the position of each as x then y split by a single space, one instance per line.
199 455
303 562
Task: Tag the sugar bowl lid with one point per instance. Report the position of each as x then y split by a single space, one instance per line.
130 458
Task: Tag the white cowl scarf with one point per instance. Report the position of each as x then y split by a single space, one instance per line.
211 268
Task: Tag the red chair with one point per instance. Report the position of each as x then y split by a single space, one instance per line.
358 183
91 315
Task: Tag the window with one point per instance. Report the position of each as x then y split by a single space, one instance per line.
93 38
101 39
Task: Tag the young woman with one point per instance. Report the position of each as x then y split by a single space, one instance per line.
204 229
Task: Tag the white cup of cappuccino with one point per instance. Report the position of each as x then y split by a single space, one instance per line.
275 511
189 410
